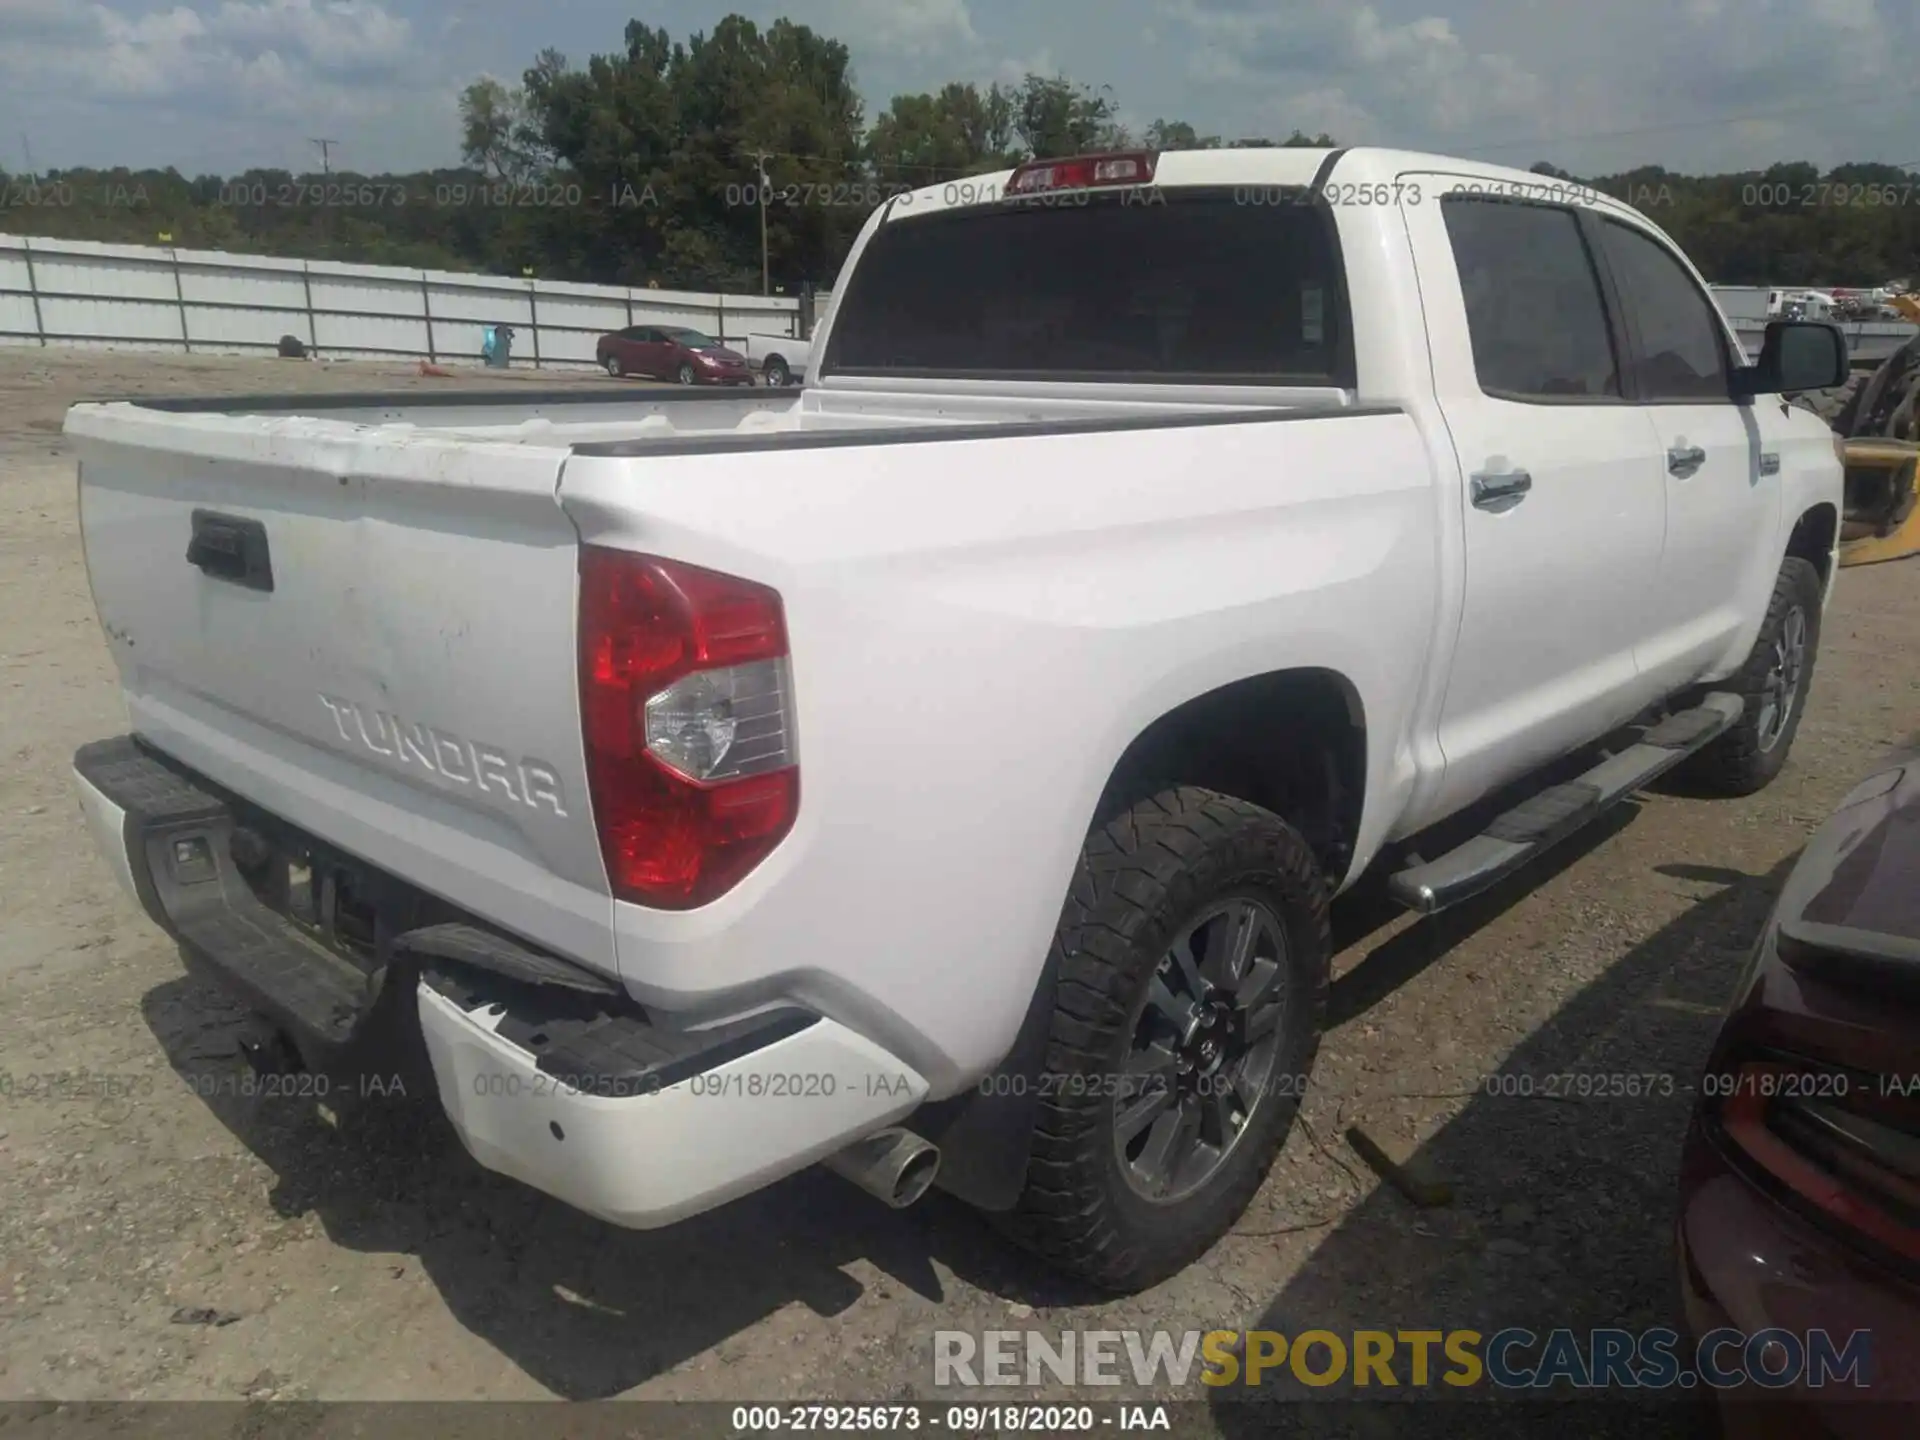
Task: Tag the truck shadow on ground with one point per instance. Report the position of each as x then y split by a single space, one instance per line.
587 1310
590 1311
1562 1208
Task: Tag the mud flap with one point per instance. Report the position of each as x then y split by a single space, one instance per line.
986 1134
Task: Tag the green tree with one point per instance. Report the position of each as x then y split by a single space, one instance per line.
498 135
1298 140
666 138
925 139
1056 116
1178 135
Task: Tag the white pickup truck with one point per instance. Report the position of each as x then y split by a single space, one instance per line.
778 359
943 773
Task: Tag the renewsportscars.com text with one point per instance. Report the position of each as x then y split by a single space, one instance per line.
1373 1360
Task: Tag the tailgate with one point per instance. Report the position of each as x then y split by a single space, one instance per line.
373 638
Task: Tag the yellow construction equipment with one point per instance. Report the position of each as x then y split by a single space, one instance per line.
1881 520
1880 429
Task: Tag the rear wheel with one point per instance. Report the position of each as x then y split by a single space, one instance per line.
685 373
1774 684
615 367
777 373
1192 959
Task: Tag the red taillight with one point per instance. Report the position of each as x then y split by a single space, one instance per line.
686 809
1851 1191
1082 172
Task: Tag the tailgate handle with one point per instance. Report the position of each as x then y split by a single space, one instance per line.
228 547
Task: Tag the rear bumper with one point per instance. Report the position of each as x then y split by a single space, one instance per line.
567 1087
1747 1264
671 1150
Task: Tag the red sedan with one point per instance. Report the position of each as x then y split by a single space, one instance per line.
1800 1187
671 352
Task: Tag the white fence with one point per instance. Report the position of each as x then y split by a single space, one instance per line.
206 302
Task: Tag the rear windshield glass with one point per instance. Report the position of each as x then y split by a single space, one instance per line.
1194 286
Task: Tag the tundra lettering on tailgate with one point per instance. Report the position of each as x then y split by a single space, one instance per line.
528 781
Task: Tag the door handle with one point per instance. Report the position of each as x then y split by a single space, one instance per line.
1500 492
1684 460
229 547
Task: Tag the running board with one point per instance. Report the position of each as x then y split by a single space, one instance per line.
1543 821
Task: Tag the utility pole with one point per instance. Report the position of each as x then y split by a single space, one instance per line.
326 171
26 148
760 188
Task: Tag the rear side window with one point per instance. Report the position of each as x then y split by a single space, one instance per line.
1680 351
1185 286
1534 311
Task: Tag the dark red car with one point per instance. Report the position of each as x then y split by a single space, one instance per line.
672 352
1800 1187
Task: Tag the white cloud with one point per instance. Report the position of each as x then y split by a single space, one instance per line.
1702 85
1595 87
1731 86
333 36
1015 68
1860 15
1329 66
914 29
322 58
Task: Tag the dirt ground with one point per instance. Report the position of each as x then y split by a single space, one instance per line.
384 1264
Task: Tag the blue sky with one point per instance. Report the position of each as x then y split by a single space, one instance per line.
1593 85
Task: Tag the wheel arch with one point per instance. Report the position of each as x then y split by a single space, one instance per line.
1293 741
1814 538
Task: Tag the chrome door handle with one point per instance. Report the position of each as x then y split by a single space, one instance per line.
1500 492
1684 460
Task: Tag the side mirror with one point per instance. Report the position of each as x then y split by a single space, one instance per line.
1796 355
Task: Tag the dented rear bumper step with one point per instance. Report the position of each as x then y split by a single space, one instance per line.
548 1072
307 935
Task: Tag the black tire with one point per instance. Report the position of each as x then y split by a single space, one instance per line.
616 367
1749 755
777 373
685 373
1143 878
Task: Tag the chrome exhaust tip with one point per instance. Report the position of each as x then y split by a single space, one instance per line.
894 1166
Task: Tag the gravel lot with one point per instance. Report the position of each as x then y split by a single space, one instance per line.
381 1263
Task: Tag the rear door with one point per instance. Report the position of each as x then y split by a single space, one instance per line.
1721 465
631 347
655 353
1564 509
